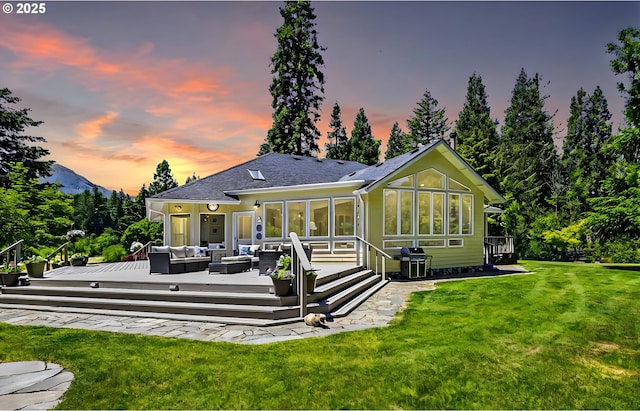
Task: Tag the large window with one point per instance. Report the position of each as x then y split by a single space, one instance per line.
436 204
297 217
460 213
344 216
398 212
180 230
273 220
319 218
430 213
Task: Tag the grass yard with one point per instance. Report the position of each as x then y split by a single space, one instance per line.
565 337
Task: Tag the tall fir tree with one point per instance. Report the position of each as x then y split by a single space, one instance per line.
162 179
364 148
584 161
476 134
15 147
338 147
397 143
527 153
528 165
298 84
428 122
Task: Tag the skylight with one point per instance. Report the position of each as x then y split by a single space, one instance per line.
256 174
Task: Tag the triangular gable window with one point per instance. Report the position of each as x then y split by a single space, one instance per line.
454 185
431 179
256 174
402 182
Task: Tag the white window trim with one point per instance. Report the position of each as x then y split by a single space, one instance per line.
329 215
455 239
386 243
333 213
399 212
335 248
264 219
431 208
443 240
460 196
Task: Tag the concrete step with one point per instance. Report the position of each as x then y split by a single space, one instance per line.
257 322
206 297
171 307
352 304
335 301
339 283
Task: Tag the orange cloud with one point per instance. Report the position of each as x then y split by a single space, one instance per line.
91 129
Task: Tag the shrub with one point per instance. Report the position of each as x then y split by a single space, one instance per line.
113 253
143 231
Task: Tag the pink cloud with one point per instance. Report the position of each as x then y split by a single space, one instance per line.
91 129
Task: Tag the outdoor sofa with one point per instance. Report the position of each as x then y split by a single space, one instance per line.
174 260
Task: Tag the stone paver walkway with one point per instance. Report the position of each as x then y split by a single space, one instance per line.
32 385
377 311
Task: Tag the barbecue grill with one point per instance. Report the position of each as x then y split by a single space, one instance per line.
414 263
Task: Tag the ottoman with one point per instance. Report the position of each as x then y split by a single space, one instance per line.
231 265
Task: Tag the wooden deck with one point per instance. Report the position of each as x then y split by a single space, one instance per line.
138 272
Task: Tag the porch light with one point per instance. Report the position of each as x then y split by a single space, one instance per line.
178 207
256 204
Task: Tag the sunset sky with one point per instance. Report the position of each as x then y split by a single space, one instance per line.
121 86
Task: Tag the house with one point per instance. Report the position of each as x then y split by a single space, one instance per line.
429 197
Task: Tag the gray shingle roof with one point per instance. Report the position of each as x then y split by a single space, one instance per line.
279 170
381 170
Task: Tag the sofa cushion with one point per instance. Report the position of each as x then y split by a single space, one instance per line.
201 251
160 249
190 251
178 252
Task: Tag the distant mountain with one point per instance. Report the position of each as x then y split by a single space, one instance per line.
72 183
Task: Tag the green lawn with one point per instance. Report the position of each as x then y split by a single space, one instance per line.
565 337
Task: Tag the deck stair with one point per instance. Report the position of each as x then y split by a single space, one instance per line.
251 304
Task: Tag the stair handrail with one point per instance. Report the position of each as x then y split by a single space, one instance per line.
379 253
64 255
145 248
16 248
300 265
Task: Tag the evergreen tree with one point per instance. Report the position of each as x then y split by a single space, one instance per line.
92 214
428 122
297 84
627 61
162 179
191 178
527 153
477 138
139 207
364 148
18 148
616 215
338 146
585 163
397 143
265 148
528 160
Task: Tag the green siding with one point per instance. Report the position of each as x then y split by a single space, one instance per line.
468 255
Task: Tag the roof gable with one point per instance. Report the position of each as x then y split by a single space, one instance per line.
382 172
